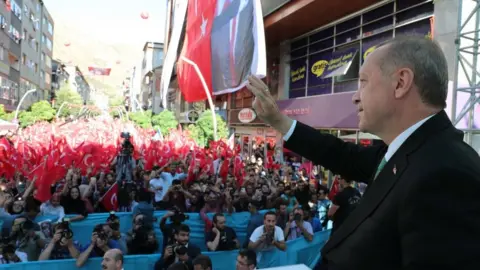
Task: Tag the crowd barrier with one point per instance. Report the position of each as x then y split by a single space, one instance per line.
82 230
299 251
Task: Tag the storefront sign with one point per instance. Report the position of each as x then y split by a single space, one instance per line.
297 111
297 73
326 111
340 62
246 115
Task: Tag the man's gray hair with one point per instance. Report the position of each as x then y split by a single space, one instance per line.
427 61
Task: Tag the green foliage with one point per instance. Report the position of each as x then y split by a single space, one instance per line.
43 111
26 119
202 131
116 101
65 94
165 121
141 119
4 115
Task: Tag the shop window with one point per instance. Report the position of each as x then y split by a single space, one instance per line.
321 45
299 53
348 25
378 13
347 37
322 35
422 28
370 44
299 43
413 14
378 27
410 4
242 99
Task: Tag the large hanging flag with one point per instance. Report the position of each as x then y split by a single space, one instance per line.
226 39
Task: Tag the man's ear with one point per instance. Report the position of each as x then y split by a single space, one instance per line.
404 82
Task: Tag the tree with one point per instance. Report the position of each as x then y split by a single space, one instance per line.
4 115
165 121
43 111
65 94
202 131
116 101
141 119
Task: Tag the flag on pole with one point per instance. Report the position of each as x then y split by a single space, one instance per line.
109 200
226 40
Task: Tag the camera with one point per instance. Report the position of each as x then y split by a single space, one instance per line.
125 135
178 216
100 233
269 237
113 221
177 188
297 217
179 249
67 233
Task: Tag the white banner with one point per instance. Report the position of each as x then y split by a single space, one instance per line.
179 15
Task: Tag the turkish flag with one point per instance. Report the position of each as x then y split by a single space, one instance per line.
226 39
109 200
197 48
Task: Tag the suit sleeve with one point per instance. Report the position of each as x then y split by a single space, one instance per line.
439 221
351 161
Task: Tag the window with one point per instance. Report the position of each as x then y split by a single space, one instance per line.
42 75
48 61
16 9
25 9
2 53
36 46
359 35
14 34
31 41
24 59
36 67
43 38
49 44
48 79
50 28
242 99
24 36
42 57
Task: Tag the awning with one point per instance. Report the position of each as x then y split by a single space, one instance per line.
340 63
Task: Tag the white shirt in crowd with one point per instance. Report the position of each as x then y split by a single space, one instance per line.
258 232
47 209
156 183
21 255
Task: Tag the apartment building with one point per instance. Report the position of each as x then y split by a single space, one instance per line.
153 55
46 52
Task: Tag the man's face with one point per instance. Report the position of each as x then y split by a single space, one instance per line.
199 267
108 231
17 224
220 224
298 212
182 237
242 263
322 195
375 95
109 262
269 222
282 209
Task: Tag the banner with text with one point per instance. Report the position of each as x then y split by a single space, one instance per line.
298 69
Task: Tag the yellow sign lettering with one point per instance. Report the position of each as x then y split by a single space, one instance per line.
369 51
319 67
297 74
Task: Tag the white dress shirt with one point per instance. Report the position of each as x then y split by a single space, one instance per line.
394 145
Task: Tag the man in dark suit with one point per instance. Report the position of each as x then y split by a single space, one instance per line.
422 207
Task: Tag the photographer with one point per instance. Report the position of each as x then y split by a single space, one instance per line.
296 227
62 245
28 237
180 250
168 230
99 244
268 235
114 225
141 239
124 162
221 238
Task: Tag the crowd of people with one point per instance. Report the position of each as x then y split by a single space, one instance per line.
295 201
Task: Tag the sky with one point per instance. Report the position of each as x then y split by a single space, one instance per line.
111 20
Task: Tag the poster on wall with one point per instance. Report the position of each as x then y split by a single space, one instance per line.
370 44
298 69
317 84
340 62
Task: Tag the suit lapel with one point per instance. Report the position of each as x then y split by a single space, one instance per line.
387 178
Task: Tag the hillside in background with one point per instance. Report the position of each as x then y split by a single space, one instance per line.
85 51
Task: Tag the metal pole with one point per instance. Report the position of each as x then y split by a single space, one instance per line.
60 109
21 100
207 92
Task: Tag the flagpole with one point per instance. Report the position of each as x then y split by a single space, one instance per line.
207 92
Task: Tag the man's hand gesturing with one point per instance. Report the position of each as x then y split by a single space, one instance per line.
266 107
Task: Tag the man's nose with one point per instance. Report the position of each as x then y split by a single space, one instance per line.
356 97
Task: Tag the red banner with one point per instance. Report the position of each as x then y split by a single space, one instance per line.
99 71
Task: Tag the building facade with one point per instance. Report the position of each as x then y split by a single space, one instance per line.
26 46
77 82
152 64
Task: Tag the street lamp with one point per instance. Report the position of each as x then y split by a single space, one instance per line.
21 100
